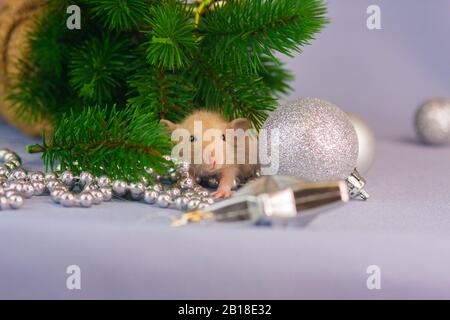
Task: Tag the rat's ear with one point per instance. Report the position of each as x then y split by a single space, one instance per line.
172 126
240 123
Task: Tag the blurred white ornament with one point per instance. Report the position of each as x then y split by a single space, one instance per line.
432 121
317 141
366 143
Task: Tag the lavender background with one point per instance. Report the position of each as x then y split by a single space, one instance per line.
127 250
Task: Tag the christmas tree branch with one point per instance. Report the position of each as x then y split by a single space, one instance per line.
106 141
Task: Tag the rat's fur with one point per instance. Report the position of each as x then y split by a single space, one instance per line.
226 172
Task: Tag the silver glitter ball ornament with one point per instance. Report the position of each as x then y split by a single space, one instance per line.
366 143
317 140
86 199
67 199
163 200
15 201
181 203
119 188
150 196
432 121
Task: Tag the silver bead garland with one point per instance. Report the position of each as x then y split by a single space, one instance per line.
177 189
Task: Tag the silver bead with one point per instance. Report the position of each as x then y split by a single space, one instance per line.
86 199
27 190
14 163
11 156
173 177
183 166
163 200
104 182
213 182
236 183
158 187
150 171
50 176
39 188
187 183
107 193
56 194
67 178
15 201
136 190
86 178
203 193
18 174
203 206
189 194
53 184
4 203
174 193
97 197
67 199
119 188
432 121
3 153
181 203
150 196
193 204
36 176
4 171
208 200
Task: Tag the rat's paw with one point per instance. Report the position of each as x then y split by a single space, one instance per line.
222 193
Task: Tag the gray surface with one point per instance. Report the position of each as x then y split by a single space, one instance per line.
127 250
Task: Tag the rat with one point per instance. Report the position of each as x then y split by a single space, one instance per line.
215 165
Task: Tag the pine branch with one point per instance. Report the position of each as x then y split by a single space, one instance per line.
120 15
163 94
172 41
240 32
232 95
104 140
99 67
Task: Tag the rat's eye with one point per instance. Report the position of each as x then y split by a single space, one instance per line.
223 136
192 138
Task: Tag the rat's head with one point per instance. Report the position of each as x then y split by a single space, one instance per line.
206 132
